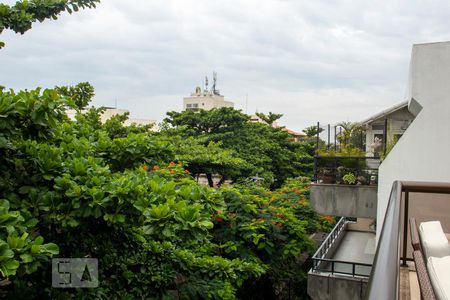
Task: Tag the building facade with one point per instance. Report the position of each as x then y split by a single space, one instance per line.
384 129
351 265
204 99
422 152
112 111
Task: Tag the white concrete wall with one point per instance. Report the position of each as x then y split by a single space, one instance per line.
423 153
207 101
111 112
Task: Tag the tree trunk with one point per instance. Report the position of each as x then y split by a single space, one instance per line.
221 181
210 180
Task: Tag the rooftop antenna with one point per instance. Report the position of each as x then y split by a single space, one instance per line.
215 92
246 104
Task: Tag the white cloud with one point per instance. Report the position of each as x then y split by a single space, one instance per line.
310 60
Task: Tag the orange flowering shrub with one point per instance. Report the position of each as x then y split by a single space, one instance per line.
172 170
269 226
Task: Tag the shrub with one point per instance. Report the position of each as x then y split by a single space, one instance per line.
120 194
349 178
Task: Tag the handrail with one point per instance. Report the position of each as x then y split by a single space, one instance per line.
425 187
333 270
337 229
330 167
344 261
344 157
319 256
384 279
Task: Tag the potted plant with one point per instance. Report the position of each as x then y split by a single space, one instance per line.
349 178
327 175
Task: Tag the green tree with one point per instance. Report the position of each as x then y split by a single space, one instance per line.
312 131
122 194
21 16
214 121
273 227
351 135
81 93
269 152
87 189
311 140
269 118
208 159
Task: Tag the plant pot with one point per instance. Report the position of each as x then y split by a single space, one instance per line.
329 179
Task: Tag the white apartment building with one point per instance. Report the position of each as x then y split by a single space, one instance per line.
206 99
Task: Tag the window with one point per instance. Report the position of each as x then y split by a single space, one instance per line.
377 127
189 105
379 147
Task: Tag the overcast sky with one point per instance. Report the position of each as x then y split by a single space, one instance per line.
312 61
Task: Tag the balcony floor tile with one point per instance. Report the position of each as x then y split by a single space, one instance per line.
356 247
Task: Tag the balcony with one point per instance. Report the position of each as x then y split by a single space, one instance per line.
344 186
333 194
343 268
395 274
342 264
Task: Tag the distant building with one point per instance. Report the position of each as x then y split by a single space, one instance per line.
391 122
206 99
256 119
110 112
296 136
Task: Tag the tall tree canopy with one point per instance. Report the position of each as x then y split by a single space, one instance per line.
269 118
352 135
121 194
214 121
312 131
269 152
81 93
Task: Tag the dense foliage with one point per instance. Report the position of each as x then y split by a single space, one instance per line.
81 94
270 118
125 195
269 153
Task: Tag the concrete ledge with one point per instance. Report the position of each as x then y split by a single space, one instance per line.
358 201
326 286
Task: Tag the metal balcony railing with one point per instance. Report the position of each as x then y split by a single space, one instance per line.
354 269
326 265
332 169
335 233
